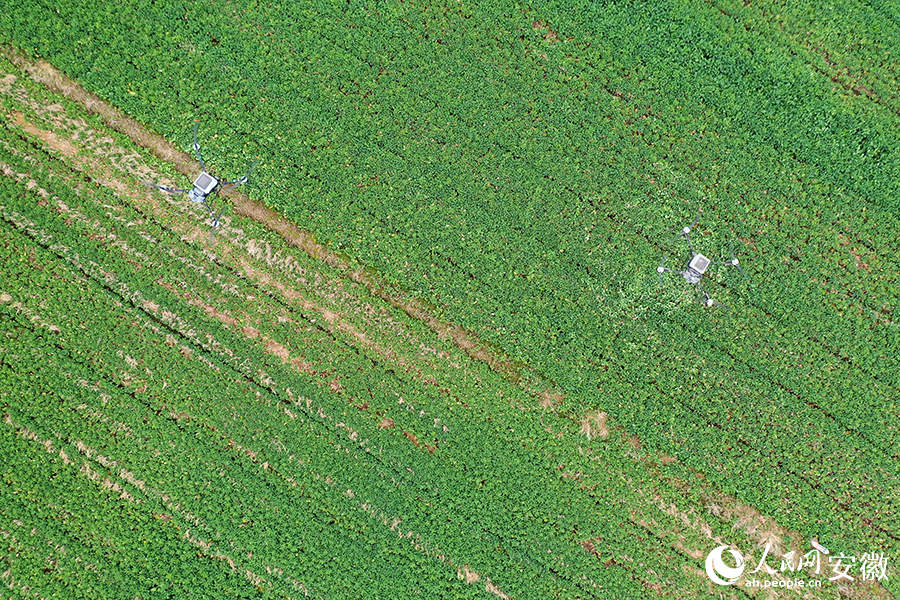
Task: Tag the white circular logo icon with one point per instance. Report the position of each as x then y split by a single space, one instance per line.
717 569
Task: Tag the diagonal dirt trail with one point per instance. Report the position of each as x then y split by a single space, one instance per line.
534 383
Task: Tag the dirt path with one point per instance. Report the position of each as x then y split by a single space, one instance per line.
46 74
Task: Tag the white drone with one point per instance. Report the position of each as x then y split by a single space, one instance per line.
697 266
206 185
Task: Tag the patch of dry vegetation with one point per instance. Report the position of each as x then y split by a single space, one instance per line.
593 425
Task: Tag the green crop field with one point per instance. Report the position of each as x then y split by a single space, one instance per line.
428 353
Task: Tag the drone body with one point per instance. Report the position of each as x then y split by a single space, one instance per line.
697 266
206 185
203 187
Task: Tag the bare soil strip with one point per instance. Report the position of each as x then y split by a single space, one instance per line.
95 164
46 74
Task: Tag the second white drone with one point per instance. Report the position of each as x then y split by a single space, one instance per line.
697 266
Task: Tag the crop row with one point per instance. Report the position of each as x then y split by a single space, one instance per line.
188 472
528 236
181 396
92 240
192 386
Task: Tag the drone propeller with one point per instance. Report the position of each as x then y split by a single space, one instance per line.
215 219
732 263
233 184
197 145
661 269
212 233
686 231
709 302
706 299
166 189
696 220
